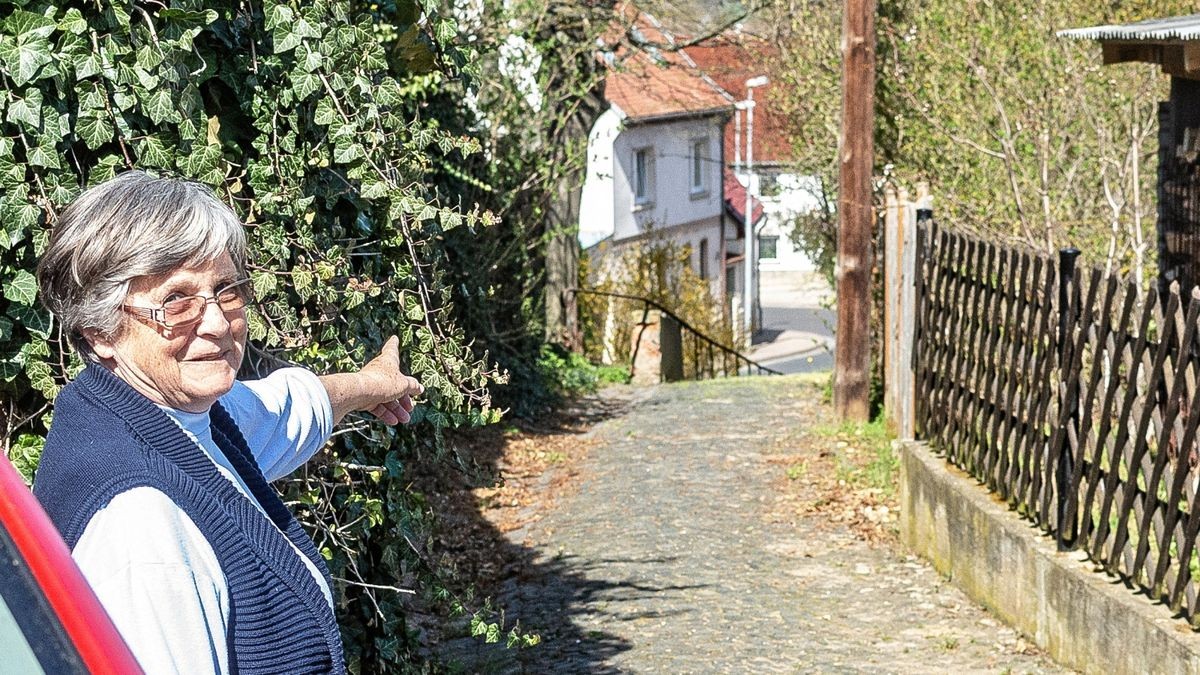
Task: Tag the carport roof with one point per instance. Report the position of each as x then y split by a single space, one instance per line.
1169 28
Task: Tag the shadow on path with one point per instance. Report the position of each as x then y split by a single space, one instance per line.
536 593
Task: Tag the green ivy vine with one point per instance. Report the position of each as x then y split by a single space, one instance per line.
304 117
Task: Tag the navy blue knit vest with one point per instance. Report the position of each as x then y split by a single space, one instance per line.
106 438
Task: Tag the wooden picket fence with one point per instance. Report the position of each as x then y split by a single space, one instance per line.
1072 395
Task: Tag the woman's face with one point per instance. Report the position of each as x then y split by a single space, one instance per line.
186 367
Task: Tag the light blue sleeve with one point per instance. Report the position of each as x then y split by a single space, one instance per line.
285 417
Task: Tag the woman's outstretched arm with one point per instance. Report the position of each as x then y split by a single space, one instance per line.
380 388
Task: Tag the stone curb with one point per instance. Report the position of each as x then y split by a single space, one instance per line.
1082 618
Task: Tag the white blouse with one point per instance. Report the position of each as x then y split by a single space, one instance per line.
154 572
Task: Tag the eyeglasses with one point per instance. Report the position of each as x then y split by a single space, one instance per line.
190 309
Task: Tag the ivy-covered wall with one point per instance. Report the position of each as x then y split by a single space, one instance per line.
304 117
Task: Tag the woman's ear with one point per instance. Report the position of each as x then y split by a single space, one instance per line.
100 344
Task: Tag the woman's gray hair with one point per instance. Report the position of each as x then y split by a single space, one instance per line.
130 226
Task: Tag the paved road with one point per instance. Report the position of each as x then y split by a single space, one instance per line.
797 323
815 320
671 558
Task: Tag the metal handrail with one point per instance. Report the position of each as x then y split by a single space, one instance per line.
712 344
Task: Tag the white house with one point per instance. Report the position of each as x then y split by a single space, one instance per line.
655 157
730 60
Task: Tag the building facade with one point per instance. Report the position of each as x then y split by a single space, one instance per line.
656 158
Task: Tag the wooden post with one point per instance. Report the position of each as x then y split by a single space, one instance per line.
900 242
670 346
852 356
891 219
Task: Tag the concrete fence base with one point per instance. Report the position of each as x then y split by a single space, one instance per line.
1082 618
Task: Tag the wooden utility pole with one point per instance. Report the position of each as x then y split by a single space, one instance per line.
852 356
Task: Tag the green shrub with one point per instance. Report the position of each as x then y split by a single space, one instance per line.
570 374
657 269
303 116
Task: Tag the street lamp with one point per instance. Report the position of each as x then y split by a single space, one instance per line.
751 257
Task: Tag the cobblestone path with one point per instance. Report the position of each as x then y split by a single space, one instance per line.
664 560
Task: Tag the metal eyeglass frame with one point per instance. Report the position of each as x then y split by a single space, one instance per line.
159 314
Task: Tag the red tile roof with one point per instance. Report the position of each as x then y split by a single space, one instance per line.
735 201
648 83
730 59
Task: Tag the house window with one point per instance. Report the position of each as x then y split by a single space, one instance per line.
643 176
768 247
699 166
703 258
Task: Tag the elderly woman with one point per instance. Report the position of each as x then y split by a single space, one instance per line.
158 462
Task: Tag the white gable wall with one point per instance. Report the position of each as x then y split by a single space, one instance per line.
596 198
673 211
672 201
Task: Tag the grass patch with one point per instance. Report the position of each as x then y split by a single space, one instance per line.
797 471
851 442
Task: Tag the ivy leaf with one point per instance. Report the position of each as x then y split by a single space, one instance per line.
114 14
388 93
95 130
450 218
258 327
375 189
190 101
348 153
161 107
59 193
204 164
73 22
146 79
302 280
149 56
25 24
305 29
279 15
32 350
424 340
25 55
19 216
9 370
35 320
153 152
46 157
447 29
22 288
42 378
284 39
264 283
313 60
124 100
325 113
55 126
27 110
107 168
414 311
92 98
304 83
185 17
87 66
